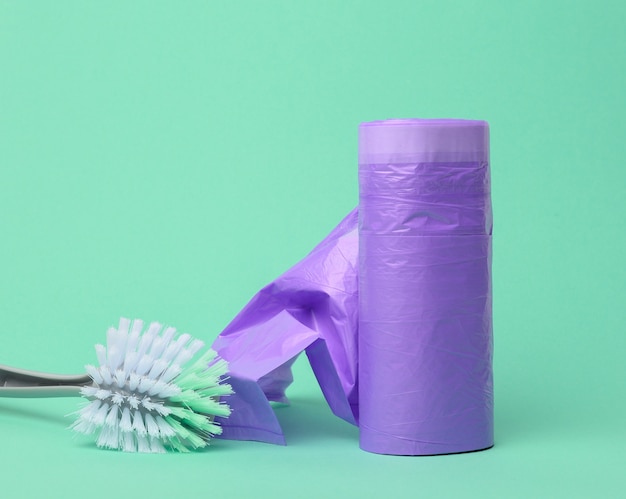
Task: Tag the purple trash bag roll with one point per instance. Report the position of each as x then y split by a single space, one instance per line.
311 307
425 321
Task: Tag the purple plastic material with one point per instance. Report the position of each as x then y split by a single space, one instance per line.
425 328
423 250
311 307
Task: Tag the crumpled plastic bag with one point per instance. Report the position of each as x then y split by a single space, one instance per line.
313 308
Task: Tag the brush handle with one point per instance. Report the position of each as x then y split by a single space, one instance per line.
21 383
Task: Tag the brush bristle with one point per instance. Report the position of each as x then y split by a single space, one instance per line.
150 395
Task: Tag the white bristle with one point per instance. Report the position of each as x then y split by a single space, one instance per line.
196 346
125 422
111 419
162 410
144 398
170 352
137 326
133 338
184 339
157 368
128 442
158 345
151 426
164 428
145 363
114 358
101 414
94 374
158 386
183 357
133 381
101 354
161 343
124 326
83 426
147 338
148 404
187 354
103 394
108 438
156 447
111 338
138 425
143 445
133 401
106 375
120 378
168 334
130 362
89 411
118 398
156 407
88 391
145 384
175 347
170 373
169 391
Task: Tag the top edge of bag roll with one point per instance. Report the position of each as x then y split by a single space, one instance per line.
410 140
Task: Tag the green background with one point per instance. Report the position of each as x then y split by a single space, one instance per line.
165 160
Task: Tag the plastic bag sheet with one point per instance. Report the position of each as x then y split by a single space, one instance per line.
313 308
425 333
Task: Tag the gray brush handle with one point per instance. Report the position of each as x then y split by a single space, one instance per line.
21 383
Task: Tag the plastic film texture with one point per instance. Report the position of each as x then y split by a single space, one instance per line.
312 307
425 333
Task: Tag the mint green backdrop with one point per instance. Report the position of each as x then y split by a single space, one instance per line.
165 160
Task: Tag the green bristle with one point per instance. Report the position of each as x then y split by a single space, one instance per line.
196 441
185 396
216 390
187 436
198 374
196 421
179 429
210 406
176 444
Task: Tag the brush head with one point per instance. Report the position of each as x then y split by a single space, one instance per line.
153 391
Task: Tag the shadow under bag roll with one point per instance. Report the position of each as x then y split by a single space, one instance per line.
425 320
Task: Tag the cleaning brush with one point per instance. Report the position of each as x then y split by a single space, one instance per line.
152 391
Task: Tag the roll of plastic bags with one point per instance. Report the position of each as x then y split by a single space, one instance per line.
425 335
425 320
312 307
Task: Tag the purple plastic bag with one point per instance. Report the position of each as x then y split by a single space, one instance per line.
422 307
311 307
425 334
